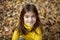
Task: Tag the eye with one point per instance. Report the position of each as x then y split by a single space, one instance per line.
26 16
33 16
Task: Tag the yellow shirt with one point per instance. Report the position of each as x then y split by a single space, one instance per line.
30 35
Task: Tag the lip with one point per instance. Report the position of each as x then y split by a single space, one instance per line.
30 22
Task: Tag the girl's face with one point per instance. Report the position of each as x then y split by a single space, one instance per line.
29 18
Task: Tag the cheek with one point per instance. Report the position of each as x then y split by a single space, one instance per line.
34 19
25 20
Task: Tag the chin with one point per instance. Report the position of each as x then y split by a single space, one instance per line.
31 25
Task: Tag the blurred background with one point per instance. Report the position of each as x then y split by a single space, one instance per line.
49 13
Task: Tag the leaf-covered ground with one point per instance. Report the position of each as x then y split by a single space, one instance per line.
49 13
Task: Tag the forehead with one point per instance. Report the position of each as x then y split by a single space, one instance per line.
30 13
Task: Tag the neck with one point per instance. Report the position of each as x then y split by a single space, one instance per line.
27 26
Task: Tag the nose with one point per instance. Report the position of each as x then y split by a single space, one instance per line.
30 19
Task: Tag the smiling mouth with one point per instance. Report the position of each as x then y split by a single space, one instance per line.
30 22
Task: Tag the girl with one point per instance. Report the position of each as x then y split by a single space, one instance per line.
29 25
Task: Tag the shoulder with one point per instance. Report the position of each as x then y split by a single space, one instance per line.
16 32
38 30
15 35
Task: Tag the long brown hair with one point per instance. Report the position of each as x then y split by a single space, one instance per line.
26 8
